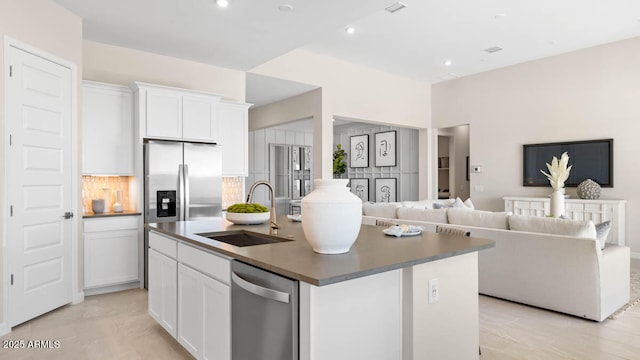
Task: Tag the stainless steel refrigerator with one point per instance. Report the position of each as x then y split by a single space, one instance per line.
182 181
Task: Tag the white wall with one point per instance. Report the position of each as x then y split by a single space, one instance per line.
259 141
119 65
353 92
587 94
406 171
49 27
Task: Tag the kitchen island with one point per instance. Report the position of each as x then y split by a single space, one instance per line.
370 303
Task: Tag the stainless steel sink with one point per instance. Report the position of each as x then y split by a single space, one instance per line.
242 239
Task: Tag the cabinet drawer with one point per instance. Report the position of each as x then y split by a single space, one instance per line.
213 265
116 223
163 244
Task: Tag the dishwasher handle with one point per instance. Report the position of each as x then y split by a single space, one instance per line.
259 290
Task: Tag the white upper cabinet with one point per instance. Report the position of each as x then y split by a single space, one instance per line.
107 129
164 114
176 114
233 121
199 118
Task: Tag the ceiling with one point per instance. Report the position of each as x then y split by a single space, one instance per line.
414 42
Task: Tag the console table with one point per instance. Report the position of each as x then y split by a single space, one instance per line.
577 209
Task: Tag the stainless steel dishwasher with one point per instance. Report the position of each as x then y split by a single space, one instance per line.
264 314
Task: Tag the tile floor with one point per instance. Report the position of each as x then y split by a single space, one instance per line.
117 326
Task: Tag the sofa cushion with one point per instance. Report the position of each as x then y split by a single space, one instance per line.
429 215
602 230
478 218
385 210
422 204
557 226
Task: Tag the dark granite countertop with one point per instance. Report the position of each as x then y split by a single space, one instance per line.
110 214
373 252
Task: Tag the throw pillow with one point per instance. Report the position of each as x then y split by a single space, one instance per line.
469 204
602 230
459 204
437 206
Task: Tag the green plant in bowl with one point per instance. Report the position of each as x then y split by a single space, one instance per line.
247 208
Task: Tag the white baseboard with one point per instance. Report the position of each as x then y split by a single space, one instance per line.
78 298
635 255
4 329
112 288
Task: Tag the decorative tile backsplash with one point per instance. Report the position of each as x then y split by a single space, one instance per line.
93 187
232 191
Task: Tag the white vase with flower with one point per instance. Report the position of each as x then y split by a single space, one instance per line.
558 174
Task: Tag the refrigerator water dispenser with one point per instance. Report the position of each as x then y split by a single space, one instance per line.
166 206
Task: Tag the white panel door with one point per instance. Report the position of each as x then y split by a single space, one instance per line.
39 174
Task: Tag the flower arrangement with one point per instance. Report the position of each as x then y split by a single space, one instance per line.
558 172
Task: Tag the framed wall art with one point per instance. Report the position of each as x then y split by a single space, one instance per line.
385 148
360 187
386 189
359 145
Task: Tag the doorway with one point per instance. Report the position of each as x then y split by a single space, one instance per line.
453 162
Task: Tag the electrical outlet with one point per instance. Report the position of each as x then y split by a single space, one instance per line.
434 291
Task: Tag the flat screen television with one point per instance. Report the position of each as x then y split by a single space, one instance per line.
591 159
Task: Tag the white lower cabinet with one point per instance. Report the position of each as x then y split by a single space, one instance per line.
190 296
203 315
111 254
163 282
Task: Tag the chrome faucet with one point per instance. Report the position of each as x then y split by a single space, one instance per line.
273 225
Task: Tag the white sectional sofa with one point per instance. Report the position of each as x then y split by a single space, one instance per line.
548 263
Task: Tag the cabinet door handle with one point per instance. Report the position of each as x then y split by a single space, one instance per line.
259 290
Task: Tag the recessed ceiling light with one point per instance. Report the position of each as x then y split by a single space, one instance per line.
222 3
395 7
448 63
350 30
285 7
499 16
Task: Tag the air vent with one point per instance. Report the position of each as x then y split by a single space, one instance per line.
395 7
493 49
449 76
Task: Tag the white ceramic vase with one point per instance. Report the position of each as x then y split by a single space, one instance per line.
557 203
331 216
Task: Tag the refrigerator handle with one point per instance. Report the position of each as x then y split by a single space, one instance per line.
185 180
181 192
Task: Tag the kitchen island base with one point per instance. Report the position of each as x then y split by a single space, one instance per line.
388 315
